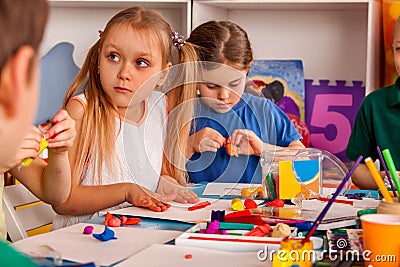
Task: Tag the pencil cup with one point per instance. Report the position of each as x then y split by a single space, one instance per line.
294 252
381 235
389 208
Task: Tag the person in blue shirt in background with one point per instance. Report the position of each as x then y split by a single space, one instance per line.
226 117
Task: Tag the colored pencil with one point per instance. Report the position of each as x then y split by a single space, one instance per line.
378 180
330 202
386 171
392 169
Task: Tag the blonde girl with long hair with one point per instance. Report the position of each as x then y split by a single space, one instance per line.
121 120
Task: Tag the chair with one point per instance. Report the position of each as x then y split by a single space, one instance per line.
21 220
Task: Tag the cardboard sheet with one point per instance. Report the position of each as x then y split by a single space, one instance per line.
180 212
73 245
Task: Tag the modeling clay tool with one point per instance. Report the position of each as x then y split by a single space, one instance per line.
28 161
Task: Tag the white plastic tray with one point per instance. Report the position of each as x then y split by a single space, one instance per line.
232 243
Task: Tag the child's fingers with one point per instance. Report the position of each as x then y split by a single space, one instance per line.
59 116
28 153
237 136
208 145
66 135
31 146
180 199
34 132
188 196
60 131
214 135
60 123
162 199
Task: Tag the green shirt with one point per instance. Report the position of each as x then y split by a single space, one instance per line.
9 257
377 124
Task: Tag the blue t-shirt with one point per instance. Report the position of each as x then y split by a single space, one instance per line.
257 114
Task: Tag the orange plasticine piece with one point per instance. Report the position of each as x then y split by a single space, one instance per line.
231 150
114 222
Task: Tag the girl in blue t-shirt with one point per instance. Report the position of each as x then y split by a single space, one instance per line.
231 128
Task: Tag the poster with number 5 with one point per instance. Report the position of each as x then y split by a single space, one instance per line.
330 111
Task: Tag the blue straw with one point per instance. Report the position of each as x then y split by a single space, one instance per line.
330 202
386 171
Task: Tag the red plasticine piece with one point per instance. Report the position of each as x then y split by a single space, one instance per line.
250 204
132 221
188 256
241 213
276 203
199 205
254 219
261 230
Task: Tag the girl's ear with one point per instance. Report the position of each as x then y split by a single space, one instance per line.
15 80
164 74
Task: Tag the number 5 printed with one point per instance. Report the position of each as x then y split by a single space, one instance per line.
325 117
331 112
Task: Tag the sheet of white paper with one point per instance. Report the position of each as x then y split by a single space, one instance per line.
175 256
225 189
73 245
180 212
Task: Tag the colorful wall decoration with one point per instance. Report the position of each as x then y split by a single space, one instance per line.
330 114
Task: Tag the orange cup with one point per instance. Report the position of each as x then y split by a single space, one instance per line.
381 235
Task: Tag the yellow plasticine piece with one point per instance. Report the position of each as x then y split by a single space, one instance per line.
28 161
237 204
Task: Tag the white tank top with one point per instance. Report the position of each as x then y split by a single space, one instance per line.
139 150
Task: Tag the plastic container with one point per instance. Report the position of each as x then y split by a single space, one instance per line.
311 172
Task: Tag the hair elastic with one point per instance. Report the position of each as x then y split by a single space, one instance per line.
177 40
100 33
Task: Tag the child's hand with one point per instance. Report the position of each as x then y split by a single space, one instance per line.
168 185
61 134
248 142
141 197
206 139
29 147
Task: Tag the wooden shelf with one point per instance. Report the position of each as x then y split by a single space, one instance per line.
336 40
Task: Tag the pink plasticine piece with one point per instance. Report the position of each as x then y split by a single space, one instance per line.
88 230
213 227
